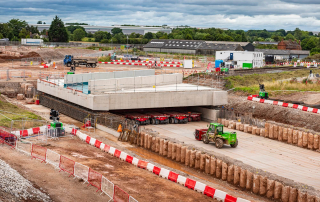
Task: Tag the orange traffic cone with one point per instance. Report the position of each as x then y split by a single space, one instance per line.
119 128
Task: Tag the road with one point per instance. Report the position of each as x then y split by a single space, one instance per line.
298 164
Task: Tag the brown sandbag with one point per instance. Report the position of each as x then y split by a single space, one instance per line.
257 131
178 155
271 131
311 198
219 120
300 139
285 193
153 145
193 158
277 190
236 176
238 126
275 132
302 197
263 186
213 165
256 184
174 151
280 135
290 135
293 194
243 178
224 171
157 144
165 148
250 129
208 163
246 126
316 142
230 174
233 126
241 127
202 162
142 139
270 188
197 162
262 132
254 128
188 156
169 154
285 135
161 146
310 140
183 154
226 123
266 127
249 180
219 168
295 136
305 139
145 144
149 142
223 121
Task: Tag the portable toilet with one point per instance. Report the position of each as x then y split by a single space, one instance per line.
231 56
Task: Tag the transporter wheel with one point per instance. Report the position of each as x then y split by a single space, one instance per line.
76 64
138 122
153 122
219 143
148 121
205 139
189 119
157 121
235 144
171 120
185 120
166 121
93 65
176 121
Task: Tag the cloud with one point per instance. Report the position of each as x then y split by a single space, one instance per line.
232 14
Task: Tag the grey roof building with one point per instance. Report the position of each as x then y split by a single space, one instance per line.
286 54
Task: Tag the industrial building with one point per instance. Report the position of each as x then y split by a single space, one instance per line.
285 54
195 46
241 59
125 29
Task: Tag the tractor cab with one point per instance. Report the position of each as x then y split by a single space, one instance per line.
216 134
262 93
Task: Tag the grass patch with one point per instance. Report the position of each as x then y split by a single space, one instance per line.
15 113
99 48
86 39
104 59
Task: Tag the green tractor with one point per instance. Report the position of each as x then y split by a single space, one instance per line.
215 134
262 93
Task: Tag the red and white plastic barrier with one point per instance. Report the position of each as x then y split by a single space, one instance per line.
162 172
139 61
283 104
31 131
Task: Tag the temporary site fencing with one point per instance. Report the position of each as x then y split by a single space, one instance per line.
67 165
243 118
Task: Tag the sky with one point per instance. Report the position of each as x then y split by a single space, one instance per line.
232 14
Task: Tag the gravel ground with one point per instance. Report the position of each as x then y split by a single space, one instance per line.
16 187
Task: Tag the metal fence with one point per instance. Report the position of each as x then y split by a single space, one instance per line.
243 118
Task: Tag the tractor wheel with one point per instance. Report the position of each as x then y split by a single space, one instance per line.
235 144
205 139
219 143
153 122
171 120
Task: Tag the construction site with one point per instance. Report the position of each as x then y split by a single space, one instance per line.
148 128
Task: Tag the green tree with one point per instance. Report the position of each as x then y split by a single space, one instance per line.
298 33
32 29
199 36
289 36
23 33
188 37
116 30
16 26
148 35
39 22
1 36
309 43
159 34
99 35
72 28
164 36
15 38
44 32
89 34
78 34
57 31
6 31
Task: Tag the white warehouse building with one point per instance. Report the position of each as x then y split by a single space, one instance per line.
241 59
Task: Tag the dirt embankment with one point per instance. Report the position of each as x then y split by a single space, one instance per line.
278 114
5 58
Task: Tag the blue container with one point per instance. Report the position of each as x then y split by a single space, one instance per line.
231 56
217 63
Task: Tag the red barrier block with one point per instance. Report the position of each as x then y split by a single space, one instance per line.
230 199
74 131
209 191
119 195
285 104
173 176
156 170
275 102
23 133
97 143
304 108
117 153
67 165
142 164
315 110
36 130
95 178
261 100
129 159
254 95
106 148
88 139
39 152
249 98
295 106
190 183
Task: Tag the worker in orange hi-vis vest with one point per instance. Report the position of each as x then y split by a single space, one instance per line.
119 128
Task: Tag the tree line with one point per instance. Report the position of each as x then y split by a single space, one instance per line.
16 29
